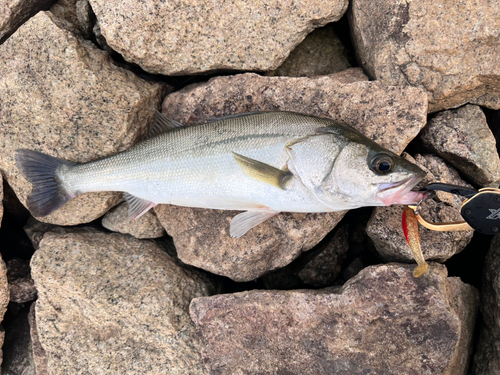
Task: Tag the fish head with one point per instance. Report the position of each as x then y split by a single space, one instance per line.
344 169
366 174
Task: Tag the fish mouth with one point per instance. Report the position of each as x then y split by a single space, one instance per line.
401 192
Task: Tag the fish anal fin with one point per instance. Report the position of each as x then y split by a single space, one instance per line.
162 124
263 172
242 223
137 206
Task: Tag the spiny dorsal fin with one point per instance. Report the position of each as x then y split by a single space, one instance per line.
162 124
137 206
263 172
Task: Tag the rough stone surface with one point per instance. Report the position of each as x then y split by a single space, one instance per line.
487 357
320 53
71 102
449 48
390 115
13 13
386 231
462 137
1 200
39 355
109 303
189 37
18 350
22 287
35 230
383 321
147 226
4 300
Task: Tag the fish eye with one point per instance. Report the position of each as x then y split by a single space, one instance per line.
382 163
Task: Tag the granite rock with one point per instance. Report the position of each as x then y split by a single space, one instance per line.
18 349
53 103
383 321
320 53
21 285
487 357
39 354
1 200
391 115
462 137
189 37
4 300
449 48
386 231
147 226
110 303
13 13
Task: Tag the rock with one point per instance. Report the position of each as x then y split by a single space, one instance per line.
462 137
35 230
487 357
4 300
390 115
449 48
109 303
53 103
1 200
200 36
39 355
13 13
386 231
18 350
383 321
147 226
320 53
22 287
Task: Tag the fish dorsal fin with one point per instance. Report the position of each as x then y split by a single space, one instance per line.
245 221
162 124
137 206
263 172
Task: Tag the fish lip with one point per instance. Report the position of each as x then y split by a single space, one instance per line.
403 184
401 192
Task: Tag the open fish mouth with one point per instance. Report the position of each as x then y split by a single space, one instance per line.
401 192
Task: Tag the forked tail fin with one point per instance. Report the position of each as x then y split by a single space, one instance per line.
40 169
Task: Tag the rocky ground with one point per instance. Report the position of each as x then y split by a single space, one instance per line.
85 290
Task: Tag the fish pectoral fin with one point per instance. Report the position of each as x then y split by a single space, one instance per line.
245 221
137 206
263 172
162 124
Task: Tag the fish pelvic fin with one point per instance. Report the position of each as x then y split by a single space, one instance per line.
263 172
137 206
48 193
245 221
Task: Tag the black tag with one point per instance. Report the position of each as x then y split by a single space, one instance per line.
482 212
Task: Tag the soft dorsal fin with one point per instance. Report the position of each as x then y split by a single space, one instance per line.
245 221
263 172
137 206
162 124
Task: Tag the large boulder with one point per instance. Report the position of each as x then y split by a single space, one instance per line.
196 36
449 48
383 321
63 96
110 303
390 115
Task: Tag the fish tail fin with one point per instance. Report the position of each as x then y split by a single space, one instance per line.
40 170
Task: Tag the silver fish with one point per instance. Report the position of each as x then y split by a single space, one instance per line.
261 163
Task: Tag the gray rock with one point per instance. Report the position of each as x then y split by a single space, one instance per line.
22 287
109 303
386 231
487 357
147 226
383 321
449 48
320 53
182 38
390 115
53 102
13 13
18 349
462 137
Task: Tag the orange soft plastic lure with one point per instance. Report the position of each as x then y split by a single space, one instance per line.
410 229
